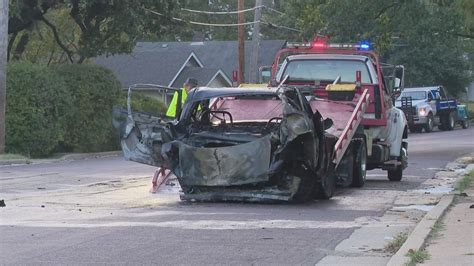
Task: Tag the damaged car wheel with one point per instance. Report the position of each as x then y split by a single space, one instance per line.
327 186
307 185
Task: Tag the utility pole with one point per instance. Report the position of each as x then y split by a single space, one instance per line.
241 42
255 43
3 69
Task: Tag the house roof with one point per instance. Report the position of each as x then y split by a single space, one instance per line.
217 54
144 67
164 62
203 75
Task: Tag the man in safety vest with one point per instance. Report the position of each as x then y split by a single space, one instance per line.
161 174
190 84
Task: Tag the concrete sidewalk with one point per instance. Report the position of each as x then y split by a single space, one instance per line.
453 242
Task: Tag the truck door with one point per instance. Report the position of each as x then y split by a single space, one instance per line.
432 102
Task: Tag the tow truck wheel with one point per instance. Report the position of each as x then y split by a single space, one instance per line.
359 172
416 129
450 121
429 123
397 173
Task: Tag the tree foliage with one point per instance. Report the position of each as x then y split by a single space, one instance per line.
84 29
432 38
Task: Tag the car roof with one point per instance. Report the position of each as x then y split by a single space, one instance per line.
422 88
328 56
203 93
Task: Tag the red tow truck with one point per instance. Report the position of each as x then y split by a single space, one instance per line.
334 77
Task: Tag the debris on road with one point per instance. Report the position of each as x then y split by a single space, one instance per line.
2 203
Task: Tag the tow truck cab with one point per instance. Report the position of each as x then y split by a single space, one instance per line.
314 67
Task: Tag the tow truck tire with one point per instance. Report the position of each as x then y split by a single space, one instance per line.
359 172
465 123
450 122
395 175
416 129
429 123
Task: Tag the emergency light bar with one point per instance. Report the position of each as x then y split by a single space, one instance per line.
318 44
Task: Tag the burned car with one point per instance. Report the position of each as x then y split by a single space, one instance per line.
236 144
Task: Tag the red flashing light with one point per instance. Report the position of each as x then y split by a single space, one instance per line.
319 44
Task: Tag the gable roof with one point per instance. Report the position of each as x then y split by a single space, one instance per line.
163 62
203 75
217 54
188 63
143 67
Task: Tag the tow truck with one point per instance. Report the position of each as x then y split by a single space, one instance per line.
326 117
334 76
427 107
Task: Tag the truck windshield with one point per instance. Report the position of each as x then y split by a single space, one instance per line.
321 69
415 95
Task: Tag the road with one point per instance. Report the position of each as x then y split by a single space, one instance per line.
99 211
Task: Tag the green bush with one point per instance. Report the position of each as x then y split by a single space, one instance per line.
94 90
37 100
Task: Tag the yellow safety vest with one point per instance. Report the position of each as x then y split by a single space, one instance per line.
172 108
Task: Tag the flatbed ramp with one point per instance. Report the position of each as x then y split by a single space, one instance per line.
346 116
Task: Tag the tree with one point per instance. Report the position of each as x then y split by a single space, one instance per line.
425 36
103 26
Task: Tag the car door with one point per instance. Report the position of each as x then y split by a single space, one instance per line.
143 135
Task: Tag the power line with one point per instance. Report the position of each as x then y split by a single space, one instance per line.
226 25
221 12
204 24
279 26
274 10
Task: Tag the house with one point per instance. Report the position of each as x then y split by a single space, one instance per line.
171 63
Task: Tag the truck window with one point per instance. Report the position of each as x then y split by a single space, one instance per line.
311 70
442 93
436 94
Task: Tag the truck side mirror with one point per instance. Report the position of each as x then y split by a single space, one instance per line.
265 73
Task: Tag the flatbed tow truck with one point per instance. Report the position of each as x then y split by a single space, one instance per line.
326 117
313 66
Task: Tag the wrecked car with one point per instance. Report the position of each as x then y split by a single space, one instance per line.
236 144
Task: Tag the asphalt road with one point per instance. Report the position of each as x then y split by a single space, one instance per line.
99 211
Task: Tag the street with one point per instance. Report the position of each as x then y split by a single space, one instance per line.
99 211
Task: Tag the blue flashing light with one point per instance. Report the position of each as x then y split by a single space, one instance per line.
364 45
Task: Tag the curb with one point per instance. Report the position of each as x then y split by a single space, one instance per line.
66 157
418 236
83 156
18 161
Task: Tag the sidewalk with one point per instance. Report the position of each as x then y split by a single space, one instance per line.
453 242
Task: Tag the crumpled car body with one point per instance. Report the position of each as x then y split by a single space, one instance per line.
235 144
